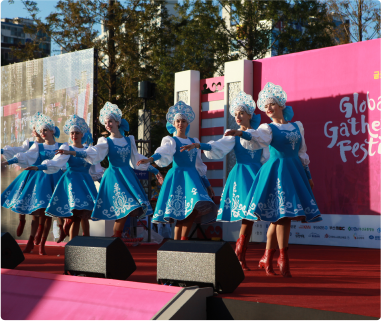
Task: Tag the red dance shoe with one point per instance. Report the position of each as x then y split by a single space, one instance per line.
62 234
68 222
29 246
20 228
117 234
266 262
243 260
283 263
240 251
184 238
37 238
41 250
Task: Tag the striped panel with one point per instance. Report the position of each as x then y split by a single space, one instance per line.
212 105
217 182
212 131
213 122
212 114
215 165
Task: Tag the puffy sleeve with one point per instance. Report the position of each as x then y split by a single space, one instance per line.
27 158
265 155
304 158
96 172
59 161
260 138
200 166
95 154
135 156
164 154
221 147
8 151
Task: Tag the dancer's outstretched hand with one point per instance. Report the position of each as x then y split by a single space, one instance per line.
160 178
65 152
311 183
4 163
189 147
233 132
144 161
32 168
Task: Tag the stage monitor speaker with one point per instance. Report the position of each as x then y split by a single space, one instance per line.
11 254
104 257
202 263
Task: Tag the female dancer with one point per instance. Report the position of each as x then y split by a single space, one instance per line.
242 175
75 193
282 190
33 198
120 192
8 152
183 196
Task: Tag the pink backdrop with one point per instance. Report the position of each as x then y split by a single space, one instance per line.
335 93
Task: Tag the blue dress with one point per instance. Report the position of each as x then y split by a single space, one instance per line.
12 192
281 188
238 184
183 190
39 187
74 191
120 191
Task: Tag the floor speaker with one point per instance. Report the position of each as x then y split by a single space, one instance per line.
11 254
104 257
202 263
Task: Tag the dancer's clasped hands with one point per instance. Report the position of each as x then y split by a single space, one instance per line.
233 132
189 147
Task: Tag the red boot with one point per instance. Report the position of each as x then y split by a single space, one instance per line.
62 234
243 260
266 262
37 238
20 228
29 246
41 250
184 238
117 234
67 225
283 263
240 251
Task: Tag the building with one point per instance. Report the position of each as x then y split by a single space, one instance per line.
13 35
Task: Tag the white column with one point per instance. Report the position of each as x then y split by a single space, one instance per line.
187 89
238 76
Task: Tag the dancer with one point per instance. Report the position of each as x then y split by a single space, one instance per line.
282 189
8 152
75 193
242 175
183 196
33 198
120 192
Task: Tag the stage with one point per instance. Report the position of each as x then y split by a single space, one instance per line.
345 280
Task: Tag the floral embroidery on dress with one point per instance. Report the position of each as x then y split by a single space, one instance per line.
50 154
293 137
124 152
192 153
15 197
251 153
73 200
236 207
30 203
177 204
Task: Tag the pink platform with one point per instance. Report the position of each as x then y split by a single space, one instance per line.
29 295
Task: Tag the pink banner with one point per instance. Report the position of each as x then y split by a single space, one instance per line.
335 93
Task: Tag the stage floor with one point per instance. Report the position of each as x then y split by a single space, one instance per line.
326 278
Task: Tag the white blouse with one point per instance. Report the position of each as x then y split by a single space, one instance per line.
263 136
59 161
168 149
225 145
97 153
29 157
9 151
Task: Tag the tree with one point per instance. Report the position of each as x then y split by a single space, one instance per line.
257 27
360 18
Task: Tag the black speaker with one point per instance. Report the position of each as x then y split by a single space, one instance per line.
202 263
146 90
11 254
103 257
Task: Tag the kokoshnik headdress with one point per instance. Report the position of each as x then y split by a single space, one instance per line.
46 122
180 110
111 111
274 94
33 119
76 123
244 102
